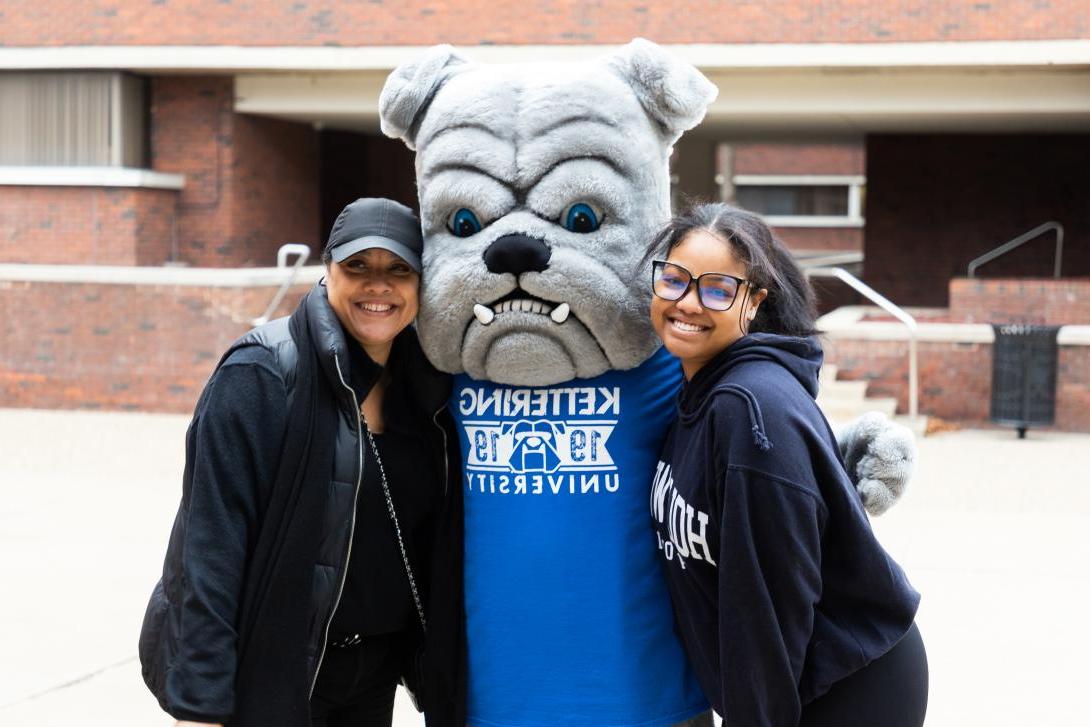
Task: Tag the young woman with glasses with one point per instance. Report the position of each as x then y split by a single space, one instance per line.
790 610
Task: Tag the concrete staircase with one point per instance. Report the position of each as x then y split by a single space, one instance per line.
843 401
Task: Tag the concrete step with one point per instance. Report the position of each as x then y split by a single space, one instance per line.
845 400
837 411
847 391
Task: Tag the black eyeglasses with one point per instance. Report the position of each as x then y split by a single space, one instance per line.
715 291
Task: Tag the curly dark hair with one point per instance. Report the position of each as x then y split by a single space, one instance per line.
790 307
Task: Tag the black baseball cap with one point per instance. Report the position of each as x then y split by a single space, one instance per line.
372 222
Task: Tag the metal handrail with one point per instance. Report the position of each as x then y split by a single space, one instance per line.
895 311
1021 240
292 248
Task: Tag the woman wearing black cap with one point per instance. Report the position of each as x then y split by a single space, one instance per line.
307 558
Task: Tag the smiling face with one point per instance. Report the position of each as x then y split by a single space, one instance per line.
534 216
690 331
375 295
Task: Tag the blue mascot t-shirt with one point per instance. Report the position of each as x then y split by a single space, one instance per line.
567 611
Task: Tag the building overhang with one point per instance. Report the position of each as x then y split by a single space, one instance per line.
765 90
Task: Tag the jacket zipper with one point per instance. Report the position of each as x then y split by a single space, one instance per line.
446 457
351 531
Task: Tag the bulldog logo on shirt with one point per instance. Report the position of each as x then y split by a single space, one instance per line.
535 445
564 451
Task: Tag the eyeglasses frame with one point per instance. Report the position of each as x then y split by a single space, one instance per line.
696 279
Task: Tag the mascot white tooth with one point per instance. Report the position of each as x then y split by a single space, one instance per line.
540 186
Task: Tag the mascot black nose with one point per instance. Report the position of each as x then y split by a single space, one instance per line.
517 254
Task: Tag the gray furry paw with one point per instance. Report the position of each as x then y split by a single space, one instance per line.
879 455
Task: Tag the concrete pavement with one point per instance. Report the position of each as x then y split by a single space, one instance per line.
994 532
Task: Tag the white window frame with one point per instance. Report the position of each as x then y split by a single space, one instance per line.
12 176
854 183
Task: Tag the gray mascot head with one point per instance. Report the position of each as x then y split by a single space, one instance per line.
540 185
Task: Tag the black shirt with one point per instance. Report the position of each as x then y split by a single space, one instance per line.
376 598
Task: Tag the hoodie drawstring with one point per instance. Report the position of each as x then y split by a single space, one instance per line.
756 420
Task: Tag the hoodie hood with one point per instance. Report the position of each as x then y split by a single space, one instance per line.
801 357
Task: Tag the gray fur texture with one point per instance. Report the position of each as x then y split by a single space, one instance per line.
519 145
879 455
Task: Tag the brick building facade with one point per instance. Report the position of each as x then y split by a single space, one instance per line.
86 225
251 182
802 161
477 22
253 123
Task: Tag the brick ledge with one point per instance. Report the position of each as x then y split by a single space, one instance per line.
118 275
47 176
847 324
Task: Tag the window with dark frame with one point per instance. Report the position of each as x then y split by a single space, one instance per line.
795 200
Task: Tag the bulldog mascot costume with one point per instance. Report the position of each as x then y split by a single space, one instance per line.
540 186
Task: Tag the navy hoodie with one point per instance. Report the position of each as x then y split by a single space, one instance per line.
780 588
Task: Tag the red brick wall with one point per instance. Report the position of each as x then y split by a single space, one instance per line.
798 158
1022 300
138 347
934 202
822 238
189 134
251 182
276 189
86 225
1073 388
955 379
473 22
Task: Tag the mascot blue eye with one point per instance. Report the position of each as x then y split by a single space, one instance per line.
580 217
464 223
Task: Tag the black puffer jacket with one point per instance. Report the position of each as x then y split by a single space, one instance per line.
195 623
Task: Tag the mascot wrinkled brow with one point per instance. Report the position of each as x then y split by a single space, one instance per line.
540 186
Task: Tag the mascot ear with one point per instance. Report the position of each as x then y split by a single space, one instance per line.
674 93
411 87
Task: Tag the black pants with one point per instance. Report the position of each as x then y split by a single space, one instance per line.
891 691
356 685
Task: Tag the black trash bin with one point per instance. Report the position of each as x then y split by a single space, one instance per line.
1024 375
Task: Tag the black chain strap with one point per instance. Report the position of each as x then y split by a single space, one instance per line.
397 526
